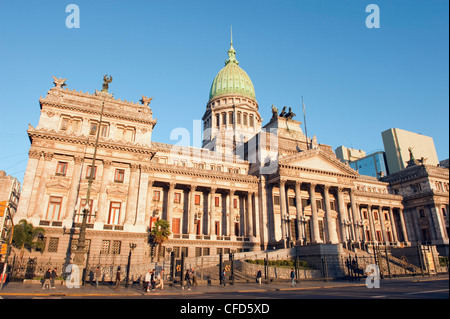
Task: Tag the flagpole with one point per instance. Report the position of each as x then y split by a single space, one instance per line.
304 120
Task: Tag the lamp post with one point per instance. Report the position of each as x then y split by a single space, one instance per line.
132 246
79 253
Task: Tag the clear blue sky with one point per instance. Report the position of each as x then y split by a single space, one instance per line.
356 82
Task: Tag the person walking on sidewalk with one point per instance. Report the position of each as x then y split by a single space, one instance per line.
53 278
153 279
293 277
117 283
187 278
47 278
258 276
147 280
161 280
224 278
97 275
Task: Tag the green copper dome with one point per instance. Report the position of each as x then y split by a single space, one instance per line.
232 79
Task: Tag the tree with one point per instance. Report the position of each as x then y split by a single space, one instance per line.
159 234
26 236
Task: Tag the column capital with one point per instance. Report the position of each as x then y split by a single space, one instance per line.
134 167
107 163
193 187
172 185
283 181
48 156
34 154
78 159
213 190
326 187
312 185
298 183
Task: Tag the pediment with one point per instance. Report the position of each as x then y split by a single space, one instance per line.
116 190
317 160
58 184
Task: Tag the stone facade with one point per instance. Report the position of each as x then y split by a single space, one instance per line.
271 187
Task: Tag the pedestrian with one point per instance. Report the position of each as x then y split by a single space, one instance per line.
224 278
161 280
147 280
97 275
194 277
258 276
117 283
187 278
293 277
47 277
53 278
153 279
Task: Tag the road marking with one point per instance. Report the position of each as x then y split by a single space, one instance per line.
425 292
378 296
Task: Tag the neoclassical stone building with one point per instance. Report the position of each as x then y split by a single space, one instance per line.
251 187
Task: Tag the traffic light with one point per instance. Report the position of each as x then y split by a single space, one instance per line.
3 206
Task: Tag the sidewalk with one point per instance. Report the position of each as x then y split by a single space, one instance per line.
21 289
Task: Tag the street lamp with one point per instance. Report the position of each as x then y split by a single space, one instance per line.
79 253
132 246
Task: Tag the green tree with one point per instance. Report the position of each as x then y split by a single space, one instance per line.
159 234
25 236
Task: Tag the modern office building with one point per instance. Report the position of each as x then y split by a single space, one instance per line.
399 144
372 165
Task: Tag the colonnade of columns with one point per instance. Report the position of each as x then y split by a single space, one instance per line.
348 227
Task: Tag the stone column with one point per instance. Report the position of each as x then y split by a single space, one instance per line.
383 226
356 219
372 225
230 202
191 223
142 198
212 208
314 215
332 235
249 215
264 212
74 183
257 217
299 209
170 204
130 213
393 225
38 212
103 196
148 205
403 225
283 210
341 207
27 186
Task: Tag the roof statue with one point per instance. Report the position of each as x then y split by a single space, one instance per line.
59 83
290 114
146 100
274 112
106 81
283 112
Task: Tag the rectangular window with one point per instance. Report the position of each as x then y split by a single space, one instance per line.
61 169
120 132
53 245
224 118
105 247
75 125
245 119
276 200
64 124
104 131
156 196
89 170
93 128
217 201
54 208
177 198
175 225
230 118
129 135
116 245
332 205
252 123
114 213
239 118
217 120
319 204
235 202
82 205
197 199
119 175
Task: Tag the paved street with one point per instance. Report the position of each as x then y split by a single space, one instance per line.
398 288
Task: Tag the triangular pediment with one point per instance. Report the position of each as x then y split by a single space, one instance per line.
317 160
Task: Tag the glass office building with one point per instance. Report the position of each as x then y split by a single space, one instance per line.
371 165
